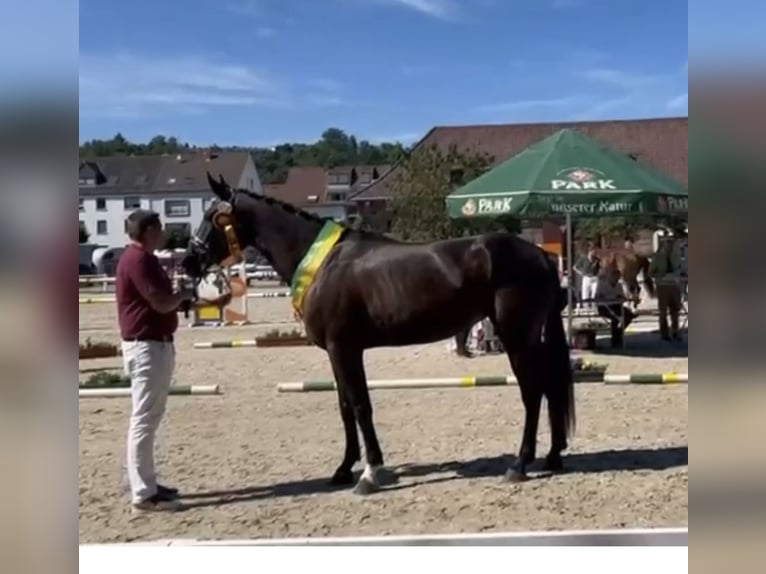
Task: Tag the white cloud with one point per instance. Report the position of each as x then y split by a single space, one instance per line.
680 102
558 4
127 85
517 105
265 32
621 79
441 9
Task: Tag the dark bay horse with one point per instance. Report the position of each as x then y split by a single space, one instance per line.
373 291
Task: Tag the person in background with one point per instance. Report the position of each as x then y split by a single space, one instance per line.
147 309
665 269
611 301
587 268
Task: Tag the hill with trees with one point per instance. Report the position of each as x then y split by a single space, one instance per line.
335 147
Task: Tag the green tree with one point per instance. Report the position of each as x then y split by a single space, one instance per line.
606 231
335 147
84 235
418 191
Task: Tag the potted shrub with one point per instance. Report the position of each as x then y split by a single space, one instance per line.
98 350
277 338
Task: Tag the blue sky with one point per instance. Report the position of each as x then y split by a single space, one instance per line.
262 72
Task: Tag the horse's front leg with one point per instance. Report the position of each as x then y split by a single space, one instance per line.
348 366
344 474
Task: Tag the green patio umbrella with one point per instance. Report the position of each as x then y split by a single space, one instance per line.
568 173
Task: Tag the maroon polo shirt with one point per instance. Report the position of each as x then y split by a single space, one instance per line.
140 274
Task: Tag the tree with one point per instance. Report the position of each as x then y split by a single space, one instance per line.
84 235
419 189
606 231
335 147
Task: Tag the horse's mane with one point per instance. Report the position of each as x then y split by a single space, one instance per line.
305 215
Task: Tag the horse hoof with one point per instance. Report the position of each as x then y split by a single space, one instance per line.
514 476
342 478
365 487
553 464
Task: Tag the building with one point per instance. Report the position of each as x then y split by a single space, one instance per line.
175 186
660 143
326 192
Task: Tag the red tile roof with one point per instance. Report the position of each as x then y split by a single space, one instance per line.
304 186
660 143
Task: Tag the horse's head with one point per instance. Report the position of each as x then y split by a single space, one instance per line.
217 242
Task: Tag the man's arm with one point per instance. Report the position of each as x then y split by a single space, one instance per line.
150 284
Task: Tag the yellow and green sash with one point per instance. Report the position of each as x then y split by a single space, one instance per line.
312 261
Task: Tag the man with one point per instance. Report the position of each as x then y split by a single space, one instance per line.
611 297
587 268
147 310
665 270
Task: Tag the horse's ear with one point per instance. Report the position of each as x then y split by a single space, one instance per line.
220 188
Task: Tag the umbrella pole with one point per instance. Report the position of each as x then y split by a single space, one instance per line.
570 282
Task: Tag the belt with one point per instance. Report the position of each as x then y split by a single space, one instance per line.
167 339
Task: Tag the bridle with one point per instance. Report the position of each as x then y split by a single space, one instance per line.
223 220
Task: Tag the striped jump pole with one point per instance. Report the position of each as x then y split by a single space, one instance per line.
226 344
488 381
182 390
267 294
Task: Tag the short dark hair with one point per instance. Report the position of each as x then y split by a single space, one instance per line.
140 221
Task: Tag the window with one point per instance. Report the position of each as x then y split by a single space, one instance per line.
207 202
338 179
100 204
251 181
82 204
125 226
101 227
132 202
87 181
177 208
179 229
456 176
365 177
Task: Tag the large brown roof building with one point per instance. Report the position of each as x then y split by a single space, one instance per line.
660 143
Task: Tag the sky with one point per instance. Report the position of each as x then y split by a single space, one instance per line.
264 72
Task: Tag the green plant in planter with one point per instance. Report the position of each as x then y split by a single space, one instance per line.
105 380
100 349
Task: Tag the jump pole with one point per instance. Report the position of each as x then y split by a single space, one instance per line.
489 381
226 344
182 390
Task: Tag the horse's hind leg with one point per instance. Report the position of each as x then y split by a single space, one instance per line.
514 324
531 395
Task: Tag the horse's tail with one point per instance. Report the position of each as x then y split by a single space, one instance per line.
648 281
559 390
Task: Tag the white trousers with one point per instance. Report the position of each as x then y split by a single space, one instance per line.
149 364
588 290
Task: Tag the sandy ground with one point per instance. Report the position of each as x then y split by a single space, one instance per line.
255 463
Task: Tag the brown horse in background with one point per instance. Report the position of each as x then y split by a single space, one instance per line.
628 264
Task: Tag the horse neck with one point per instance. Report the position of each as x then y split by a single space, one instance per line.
283 237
